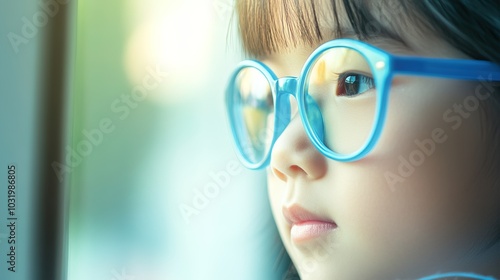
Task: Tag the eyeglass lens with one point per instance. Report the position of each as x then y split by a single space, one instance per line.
340 105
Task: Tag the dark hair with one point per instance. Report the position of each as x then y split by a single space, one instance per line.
471 26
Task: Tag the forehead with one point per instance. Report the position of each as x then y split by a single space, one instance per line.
268 27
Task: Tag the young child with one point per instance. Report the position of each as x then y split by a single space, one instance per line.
378 123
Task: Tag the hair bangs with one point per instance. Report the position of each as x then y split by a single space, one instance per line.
272 26
388 19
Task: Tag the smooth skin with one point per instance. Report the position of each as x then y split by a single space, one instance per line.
438 218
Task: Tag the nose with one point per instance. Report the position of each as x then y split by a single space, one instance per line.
294 155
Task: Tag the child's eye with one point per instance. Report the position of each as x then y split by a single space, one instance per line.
352 84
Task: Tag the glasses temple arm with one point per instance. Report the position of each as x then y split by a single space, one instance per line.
447 68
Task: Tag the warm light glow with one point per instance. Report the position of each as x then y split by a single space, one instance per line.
176 41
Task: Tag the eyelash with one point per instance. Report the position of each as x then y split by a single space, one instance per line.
359 78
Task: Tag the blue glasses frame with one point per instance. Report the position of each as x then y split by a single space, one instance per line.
384 67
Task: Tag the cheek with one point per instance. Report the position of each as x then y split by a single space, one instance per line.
414 200
432 139
430 136
277 193
424 173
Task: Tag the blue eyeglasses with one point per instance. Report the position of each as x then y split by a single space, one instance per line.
342 94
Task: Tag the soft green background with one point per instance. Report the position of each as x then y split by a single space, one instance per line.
125 194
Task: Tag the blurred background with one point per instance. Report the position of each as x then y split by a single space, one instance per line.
113 111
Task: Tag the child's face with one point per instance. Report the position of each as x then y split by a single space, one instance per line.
414 206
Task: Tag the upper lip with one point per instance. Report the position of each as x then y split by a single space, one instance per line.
295 214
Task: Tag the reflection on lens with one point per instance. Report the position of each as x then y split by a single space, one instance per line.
340 93
255 113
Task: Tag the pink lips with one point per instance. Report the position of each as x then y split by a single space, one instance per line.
306 225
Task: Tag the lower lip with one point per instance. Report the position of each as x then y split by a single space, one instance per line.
311 229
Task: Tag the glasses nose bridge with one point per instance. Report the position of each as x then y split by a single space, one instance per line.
286 86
